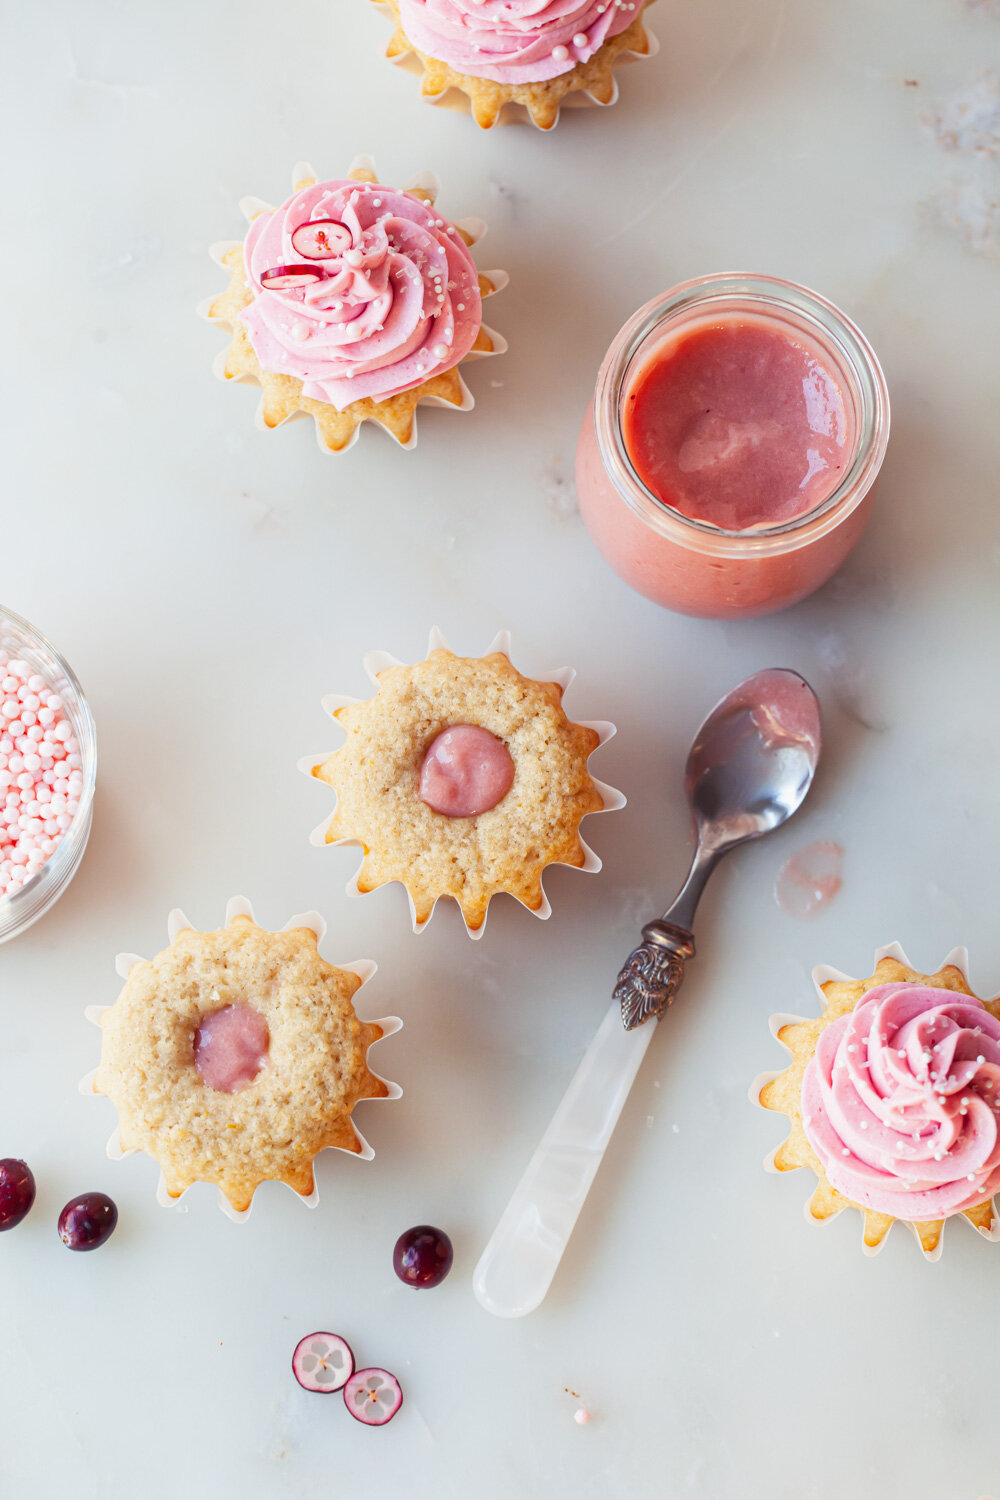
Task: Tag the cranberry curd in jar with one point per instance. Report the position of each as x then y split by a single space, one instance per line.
726 464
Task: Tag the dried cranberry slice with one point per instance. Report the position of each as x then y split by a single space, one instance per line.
373 1396
321 239
323 1362
285 278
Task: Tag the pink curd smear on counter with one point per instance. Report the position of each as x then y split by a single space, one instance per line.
726 465
810 879
737 424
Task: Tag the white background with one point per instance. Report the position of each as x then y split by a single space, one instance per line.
210 583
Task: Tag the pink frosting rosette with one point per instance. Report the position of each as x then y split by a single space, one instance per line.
514 41
359 291
901 1102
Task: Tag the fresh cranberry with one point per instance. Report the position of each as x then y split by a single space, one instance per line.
86 1222
423 1256
17 1191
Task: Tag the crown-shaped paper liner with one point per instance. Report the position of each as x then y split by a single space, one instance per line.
364 969
376 662
489 103
281 395
782 1091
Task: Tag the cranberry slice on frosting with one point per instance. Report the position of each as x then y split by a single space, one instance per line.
321 239
230 1047
465 771
284 278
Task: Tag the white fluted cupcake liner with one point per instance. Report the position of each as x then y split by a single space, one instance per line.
379 661
822 974
425 182
239 906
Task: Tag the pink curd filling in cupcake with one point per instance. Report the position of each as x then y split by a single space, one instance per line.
231 1047
901 1102
465 772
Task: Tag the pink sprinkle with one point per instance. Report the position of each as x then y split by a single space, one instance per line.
36 811
581 1416
440 351
581 39
560 53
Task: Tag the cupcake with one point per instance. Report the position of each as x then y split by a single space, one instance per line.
351 303
460 778
236 1056
893 1097
513 55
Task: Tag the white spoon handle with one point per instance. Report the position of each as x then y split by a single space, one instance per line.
516 1268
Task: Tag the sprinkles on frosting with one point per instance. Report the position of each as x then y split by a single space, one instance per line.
353 303
371 314
915 1090
513 41
527 54
907 1125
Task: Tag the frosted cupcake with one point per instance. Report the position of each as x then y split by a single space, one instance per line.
461 778
893 1097
353 302
234 1057
513 55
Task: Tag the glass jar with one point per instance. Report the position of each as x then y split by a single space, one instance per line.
19 910
694 566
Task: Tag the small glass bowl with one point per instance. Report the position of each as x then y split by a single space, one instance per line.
17 912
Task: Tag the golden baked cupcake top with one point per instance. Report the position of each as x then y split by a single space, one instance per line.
353 302
236 1056
461 778
893 1098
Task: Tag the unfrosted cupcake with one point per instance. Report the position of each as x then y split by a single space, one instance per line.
353 302
522 54
460 778
893 1097
236 1056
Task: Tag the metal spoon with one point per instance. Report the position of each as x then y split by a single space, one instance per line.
751 765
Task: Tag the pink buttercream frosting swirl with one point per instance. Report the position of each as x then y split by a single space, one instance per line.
514 41
901 1102
393 301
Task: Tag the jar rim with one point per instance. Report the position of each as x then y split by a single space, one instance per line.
857 362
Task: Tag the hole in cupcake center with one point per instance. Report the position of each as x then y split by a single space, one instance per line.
466 771
230 1047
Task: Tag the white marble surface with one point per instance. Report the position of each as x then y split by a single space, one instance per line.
210 583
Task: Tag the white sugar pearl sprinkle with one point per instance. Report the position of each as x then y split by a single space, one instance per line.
36 737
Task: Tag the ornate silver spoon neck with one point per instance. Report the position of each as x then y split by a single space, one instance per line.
654 971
